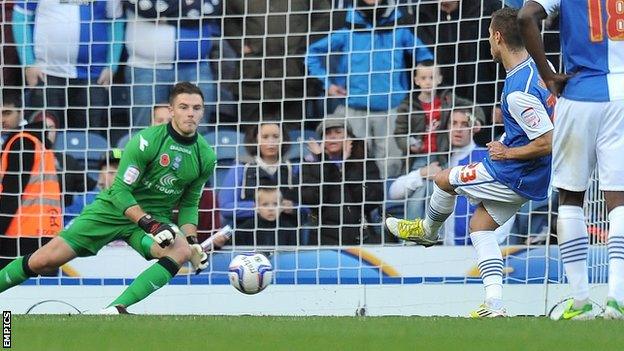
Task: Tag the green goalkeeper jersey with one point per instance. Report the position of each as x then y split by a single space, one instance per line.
159 170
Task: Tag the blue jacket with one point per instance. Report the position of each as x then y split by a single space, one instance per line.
380 82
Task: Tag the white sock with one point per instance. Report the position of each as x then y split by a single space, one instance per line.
573 247
490 263
616 254
441 206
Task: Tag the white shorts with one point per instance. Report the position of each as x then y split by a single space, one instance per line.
477 184
586 134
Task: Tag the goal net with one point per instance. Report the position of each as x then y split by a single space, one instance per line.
326 118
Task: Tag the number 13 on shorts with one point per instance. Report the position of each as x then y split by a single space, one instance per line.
468 173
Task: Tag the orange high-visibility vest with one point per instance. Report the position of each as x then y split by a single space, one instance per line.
39 211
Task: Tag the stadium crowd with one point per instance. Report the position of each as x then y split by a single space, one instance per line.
326 115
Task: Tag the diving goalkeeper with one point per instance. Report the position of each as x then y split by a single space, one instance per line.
162 168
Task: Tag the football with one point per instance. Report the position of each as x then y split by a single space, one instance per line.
250 273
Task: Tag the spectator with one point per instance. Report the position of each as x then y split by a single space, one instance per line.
169 41
12 113
418 133
268 226
160 115
459 31
73 176
107 171
11 72
266 143
270 38
30 193
370 71
462 124
70 58
341 186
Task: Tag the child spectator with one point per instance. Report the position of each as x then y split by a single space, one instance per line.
268 226
267 144
421 124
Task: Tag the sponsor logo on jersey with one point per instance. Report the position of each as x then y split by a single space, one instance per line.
167 180
142 143
530 117
131 175
181 149
164 160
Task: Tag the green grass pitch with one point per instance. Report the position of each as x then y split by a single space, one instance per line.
60 332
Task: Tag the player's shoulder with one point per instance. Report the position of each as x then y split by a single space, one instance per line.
206 151
525 80
520 77
147 138
204 147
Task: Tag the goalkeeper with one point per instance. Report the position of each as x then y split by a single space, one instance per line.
161 168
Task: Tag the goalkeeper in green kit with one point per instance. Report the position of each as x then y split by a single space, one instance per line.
162 168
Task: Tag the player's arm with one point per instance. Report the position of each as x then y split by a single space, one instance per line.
529 20
188 215
538 147
534 120
137 154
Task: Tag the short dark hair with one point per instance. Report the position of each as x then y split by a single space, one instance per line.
11 97
505 21
184 88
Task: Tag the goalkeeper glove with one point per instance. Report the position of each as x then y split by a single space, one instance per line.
199 259
164 234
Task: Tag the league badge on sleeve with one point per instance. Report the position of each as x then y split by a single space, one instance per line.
131 175
530 117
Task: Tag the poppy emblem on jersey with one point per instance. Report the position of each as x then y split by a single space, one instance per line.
530 117
164 160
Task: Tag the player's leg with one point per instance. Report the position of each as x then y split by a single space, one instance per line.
489 261
573 248
46 259
157 275
441 206
615 299
574 160
610 147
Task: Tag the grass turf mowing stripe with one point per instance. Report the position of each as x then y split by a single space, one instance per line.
57 332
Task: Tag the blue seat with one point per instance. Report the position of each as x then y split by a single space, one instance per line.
85 147
298 144
228 145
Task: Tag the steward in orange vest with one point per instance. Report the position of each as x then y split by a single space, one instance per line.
30 194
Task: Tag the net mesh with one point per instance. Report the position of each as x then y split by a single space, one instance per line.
294 63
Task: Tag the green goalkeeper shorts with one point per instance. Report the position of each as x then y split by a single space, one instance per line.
87 234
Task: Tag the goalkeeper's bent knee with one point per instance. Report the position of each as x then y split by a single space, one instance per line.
170 265
26 268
